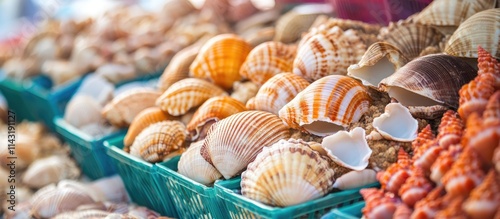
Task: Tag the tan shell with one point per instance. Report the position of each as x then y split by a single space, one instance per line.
60 71
123 108
482 29
232 143
267 60
355 179
83 105
50 170
116 73
220 60
195 167
348 149
263 35
287 173
277 92
346 24
380 61
143 120
159 140
43 46
326 106
186 94
178 68
390 122
243 91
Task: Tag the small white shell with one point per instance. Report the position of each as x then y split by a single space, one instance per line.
195 167
355 179
396 123
49 170
348 149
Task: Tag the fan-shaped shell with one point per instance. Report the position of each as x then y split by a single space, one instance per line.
186 94
83 105
278 91
244 91
143 120
123 108
178 68
390 123
43 46
326 106
220 59
348 149
232 143
355 179
267 60
49 170
195 167
281 175
51 201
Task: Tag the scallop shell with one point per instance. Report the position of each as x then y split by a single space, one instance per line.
159 140
281 175
484 200
49 170
416 187
278 91
220 59
326 106
195 167
143 120
83 105
390 122
123 108
232 143
244 91
178 68
267 60
380 61
355 179
186 94
213 110
348 149
464 175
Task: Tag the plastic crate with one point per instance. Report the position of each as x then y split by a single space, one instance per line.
139 179
239 206
192 199
348 212
15 95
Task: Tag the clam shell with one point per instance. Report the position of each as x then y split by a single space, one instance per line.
157 141
326 106
195 167
348 149
390 123
143 120
278 91
380 61
220 59
178 68
186 94
123 108
482 29
49 170
83 105
281 175
267 60
51 201
243 91
355 179
232 143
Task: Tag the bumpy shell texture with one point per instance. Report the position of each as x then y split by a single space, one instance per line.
143 120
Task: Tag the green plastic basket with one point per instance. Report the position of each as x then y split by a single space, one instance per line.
139 179
239 206
192 199
15 95
348 212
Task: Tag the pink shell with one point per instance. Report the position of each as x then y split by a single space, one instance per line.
378 204
444 162
415 188
484 200
464 175
426 155
423 137
395 175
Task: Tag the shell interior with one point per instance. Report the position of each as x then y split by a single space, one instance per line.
390 123
372 75
322 128
348 149
409 98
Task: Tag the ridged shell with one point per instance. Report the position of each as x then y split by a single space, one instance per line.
178 68
488 65
450 129
496 159
143 120
83 105
380 61
281 175
483 138
424 136
213 110
390 122
195 167
346 24
265 34
278 91
396 174
428 206
355 179
416 187
49 170
267 60
122 110
244 91
482 29
232 143
378 203
426 155
453 209
348 149
326 106
186 94
51 201
220 59
444 162
159 140
464 175
484 200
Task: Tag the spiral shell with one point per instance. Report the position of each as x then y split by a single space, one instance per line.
143 120
416 187
195 167
444 162
464 175
396 174
429 206
378 204
484 200
123 108
178 68
423 137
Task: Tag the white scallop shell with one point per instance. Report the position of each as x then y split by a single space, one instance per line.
396 123
355 179
195 167
348 149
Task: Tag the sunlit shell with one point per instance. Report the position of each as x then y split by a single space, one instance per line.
281 175
390 123
326 106
159 140
348 149
178 67
396 174
244 91
424 136
186 94
484 200
378 203
220 59
83 105
464 175
444 162
143 120
380 61
416 187
232 143
355 179
278 91
267 60
195 167
49 170
123 108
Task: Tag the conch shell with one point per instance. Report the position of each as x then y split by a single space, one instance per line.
348 149
390 122
123 108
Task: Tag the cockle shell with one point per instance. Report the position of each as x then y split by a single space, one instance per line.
195 167
396 174
484 200
188 93
380 61
355 179
178 68
267 60
244 91
49 170
232 143
159 140
220 59
281 175
390 122
123 108
416 187
378 203
326 106
143 120
348 149
278 91
213 110
464 175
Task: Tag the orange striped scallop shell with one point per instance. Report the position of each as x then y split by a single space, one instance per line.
122 110
143 120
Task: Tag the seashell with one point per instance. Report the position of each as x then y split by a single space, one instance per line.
328 52
83 214
220 59
263 35
428 112
395 116
213 110
123 108
109 189
453 209
19 68
496 159
25 151
443 163
195 167
60 71
464 175
430 205
346 24
488 65
426 155
234 142
355 179
116 73
423 137
348 149
481 29
416 187
379 61
280 175
403 211
244 91
410 38
450 129
420 82
186 94
82 104
482 138
157 141
178 68
49 170
141 121
321 108
484 200
267 60
278 91
43 46
396 174
378 204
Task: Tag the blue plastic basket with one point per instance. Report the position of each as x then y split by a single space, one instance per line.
348 212
15 95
